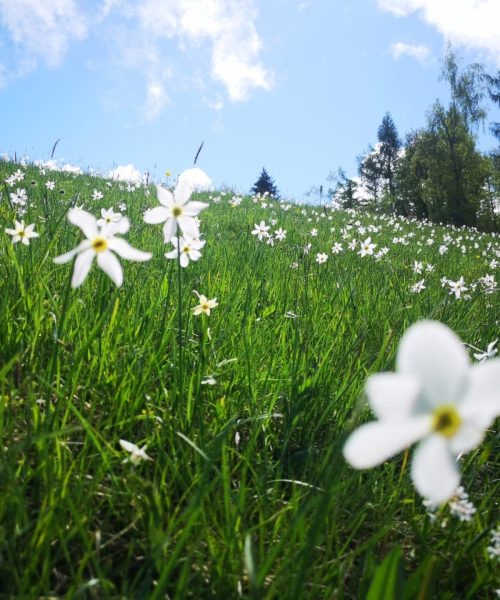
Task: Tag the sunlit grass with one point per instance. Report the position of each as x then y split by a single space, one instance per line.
247 493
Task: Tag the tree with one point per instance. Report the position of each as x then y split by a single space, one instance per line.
466 89
494 94
410 176
345 191
389 147
370 173
265 184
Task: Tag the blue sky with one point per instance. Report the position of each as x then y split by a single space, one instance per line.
297 86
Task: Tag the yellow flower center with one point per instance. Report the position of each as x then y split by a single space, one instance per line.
99 244
186 249
177 211
446 420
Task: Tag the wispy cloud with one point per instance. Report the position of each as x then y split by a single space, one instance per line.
419 52
156 100
42 29
226 26
472 23
149 36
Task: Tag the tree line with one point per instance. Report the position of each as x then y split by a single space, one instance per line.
436 172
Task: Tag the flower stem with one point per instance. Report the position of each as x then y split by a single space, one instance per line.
179 317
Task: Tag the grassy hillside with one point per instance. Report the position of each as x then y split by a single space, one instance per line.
244 412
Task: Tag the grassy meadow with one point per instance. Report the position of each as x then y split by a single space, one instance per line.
244 412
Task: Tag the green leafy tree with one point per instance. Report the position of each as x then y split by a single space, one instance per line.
370 174
265 183
410 176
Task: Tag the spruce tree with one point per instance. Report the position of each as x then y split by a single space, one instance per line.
388 150
265 183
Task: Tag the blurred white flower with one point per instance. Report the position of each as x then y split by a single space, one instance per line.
417 267
418 287
261 231
108 216
457 287
22 233
321 258
366 247
188 249
137 455
436 397
99 243
490 352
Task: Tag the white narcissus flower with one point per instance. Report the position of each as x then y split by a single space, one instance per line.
366 247
22 233
205 305
435 397
176 210
137 454
108 216
488 353
100 243
188 249
261 231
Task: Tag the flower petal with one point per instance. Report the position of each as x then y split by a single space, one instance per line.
111 266
392 395
482 398
84 220
183 190
433 354
191 209
120 226
125 250
171 254
434 470
82 266
375 442
188 226
156 215
194 255
165 197
169 229
184 259
468 436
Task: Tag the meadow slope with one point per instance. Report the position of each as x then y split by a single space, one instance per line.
244 412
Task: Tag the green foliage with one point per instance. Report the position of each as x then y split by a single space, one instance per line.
247 494
389 147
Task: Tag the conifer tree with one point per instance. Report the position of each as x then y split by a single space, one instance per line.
265 183
388 150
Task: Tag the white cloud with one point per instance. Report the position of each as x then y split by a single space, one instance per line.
472 23
43 28
228 26
419 52
219 37
126 173
156 99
